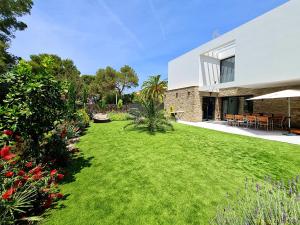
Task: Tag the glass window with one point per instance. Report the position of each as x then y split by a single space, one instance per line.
227 70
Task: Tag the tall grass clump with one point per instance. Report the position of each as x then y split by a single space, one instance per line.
267 203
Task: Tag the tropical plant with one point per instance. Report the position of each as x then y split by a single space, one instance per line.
267 203
151 116
154 88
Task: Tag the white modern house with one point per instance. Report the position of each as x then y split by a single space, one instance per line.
259 57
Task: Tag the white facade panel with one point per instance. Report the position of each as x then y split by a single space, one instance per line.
183 71
267 51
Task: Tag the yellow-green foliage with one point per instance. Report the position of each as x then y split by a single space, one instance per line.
83 117
118 116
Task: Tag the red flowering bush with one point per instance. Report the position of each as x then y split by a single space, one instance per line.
26 189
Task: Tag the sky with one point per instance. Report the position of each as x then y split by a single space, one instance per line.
144 34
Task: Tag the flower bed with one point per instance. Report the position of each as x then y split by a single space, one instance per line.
27 188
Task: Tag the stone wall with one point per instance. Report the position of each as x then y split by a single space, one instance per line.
187 100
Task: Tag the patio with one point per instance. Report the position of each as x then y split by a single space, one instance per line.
268 135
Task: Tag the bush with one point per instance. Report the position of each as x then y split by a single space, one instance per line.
33 104
269 203
26 189
118 116
82 118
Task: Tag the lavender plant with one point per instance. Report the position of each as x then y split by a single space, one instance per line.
267 203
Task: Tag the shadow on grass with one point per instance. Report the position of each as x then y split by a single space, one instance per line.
76 164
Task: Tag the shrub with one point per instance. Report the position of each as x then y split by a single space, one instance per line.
118 116
33 103
82 118
269 203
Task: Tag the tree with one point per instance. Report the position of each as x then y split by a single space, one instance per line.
154 88
105 82
10 12
62 69
88 79
126 78
110 81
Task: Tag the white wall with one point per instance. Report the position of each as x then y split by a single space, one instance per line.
267 51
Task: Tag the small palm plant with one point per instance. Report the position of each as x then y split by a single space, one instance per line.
151 116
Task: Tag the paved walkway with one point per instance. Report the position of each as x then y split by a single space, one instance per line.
268 135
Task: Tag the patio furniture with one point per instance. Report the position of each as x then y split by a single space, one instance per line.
256 114
263 121
230 119
278 121
295 131
179 115
251 121
239 120
101 118
281 94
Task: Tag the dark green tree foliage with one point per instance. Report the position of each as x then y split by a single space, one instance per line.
88 79
34 102
10 12
71 100
61 69
126 78
109 80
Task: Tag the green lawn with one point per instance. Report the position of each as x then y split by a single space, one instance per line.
132 177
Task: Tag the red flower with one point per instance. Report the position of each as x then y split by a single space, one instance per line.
8 132
9 174
21 173
5 154
28 165
5 150
36 170
8 194
60 176
53 172
37 176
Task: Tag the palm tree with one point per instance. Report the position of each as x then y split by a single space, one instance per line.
151 116
154 88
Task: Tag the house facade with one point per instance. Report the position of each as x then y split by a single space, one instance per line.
259 57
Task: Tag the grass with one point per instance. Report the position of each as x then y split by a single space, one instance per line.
132 177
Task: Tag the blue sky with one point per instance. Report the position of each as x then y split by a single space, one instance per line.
144 34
